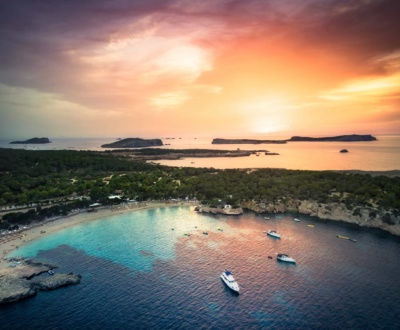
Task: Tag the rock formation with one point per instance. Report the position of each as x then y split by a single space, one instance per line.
33 141
19 282
134 143
219 210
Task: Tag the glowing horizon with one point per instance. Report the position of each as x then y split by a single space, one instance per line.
220 68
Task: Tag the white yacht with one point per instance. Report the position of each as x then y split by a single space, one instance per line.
285 258
273 233
228 279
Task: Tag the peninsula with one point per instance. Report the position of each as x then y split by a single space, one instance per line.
149 154
134 143
35 140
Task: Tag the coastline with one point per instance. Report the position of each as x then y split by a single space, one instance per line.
10 243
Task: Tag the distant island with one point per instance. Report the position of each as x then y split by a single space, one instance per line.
340 138
245 141
33 141
134 143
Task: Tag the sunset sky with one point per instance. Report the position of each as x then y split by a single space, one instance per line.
218 68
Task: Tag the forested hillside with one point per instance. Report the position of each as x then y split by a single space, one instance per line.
38 176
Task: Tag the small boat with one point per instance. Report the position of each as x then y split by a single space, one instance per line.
285 258
295 219
342 237
273 233
228 279
311 226
220 229
205 233
51 272
186 234
353 240
266 218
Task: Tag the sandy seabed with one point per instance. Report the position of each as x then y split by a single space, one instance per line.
11 242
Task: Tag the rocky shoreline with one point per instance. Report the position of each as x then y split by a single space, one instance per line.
362 216
219 210
21 280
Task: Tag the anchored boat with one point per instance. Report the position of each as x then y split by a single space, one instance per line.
285 258
228 279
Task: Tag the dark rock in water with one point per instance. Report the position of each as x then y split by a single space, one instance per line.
134 143
344 150
33 141
56 281
345 138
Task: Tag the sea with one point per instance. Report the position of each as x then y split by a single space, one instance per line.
380 155
141 270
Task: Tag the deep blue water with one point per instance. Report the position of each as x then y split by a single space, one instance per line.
138 273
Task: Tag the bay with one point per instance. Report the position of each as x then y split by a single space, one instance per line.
141 272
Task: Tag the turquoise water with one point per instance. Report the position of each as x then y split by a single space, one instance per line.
138 273
127 239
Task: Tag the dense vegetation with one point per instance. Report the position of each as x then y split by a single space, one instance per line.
39 176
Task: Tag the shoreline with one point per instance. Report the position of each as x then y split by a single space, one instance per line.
11 242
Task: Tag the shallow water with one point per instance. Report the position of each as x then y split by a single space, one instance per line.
139 273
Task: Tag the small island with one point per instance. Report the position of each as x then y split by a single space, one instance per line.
339 138
34 140
134 143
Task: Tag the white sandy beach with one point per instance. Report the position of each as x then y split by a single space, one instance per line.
11 242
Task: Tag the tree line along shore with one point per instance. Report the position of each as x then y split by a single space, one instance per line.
56 182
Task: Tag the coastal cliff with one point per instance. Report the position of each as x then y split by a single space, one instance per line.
340 138
35 140
362 216
134 143
20 282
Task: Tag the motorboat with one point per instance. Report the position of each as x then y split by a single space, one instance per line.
273 233
228 279
285 258
297 220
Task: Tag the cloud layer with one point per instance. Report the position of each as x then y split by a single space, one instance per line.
156 68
